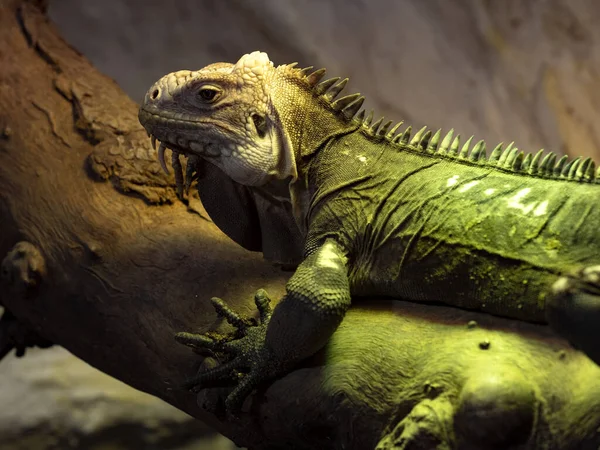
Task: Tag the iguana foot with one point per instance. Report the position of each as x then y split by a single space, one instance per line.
427 426
247 360
573 310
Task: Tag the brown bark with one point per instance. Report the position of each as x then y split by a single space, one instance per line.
114 265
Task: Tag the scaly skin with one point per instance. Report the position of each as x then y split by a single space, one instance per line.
379 213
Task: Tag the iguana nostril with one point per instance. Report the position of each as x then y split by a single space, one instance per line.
155 94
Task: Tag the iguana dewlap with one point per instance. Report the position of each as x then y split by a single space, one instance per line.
423 217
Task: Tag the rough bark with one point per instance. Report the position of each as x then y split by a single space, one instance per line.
102 259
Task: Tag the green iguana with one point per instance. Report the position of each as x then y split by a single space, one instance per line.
379 212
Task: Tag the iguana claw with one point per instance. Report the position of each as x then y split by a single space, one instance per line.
247 360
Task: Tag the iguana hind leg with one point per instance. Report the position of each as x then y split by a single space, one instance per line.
573 310
317 297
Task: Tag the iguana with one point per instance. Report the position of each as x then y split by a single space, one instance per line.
379 212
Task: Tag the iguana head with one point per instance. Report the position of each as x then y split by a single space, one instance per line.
254 122
222 113
251 119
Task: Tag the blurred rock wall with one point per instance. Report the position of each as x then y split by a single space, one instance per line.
505 70
51 400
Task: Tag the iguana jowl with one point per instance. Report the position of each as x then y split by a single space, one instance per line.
382 212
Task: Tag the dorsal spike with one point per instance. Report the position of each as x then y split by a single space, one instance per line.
360 117
342 102
349 111
547 163
570 169
564 173
335 90
424 140
590 172
582 170
478 151
518 161
324 86
454 146
375 127
292 65
535 162
368 120
445 145
559 166
305 71
392 132
510 158
384 129
496 153
417 137
526 162
552 163
433 143
405 136
505 154
464 151
315 77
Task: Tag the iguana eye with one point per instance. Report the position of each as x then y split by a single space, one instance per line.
208 93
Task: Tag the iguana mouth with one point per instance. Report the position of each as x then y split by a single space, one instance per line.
192 150
183 182
153 123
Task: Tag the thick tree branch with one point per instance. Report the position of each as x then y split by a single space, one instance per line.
110 265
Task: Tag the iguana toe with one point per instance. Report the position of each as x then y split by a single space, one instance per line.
247 360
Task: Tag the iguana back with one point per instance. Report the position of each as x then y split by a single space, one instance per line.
424 224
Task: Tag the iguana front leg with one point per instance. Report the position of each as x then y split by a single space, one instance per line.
317 297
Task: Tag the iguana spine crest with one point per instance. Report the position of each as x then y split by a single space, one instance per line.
508 158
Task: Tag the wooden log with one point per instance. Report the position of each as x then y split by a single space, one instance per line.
99 256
